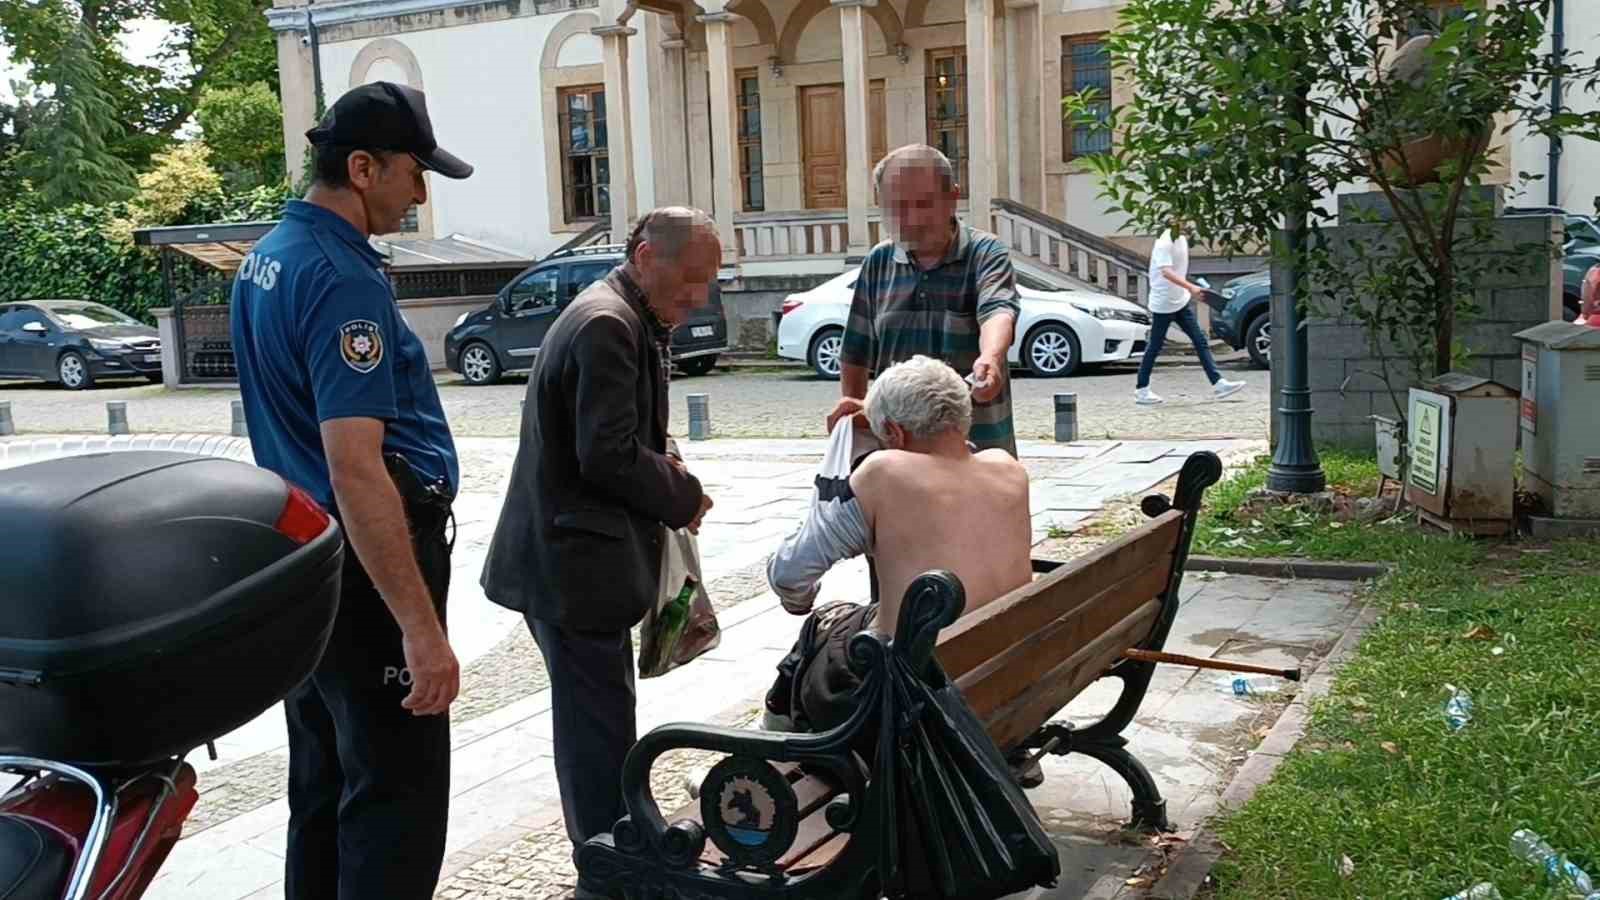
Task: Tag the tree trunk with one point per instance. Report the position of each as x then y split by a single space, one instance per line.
1444 333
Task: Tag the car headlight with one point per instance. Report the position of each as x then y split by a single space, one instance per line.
461 318
1099 312
107 346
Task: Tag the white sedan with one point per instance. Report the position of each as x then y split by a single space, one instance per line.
1057 332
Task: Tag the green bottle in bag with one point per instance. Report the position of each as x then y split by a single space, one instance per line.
670 623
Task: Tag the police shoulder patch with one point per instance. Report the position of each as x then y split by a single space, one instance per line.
361 344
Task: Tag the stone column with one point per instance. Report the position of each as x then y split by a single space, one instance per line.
724 131
669 107
857 131
619 128
980 114
1036 108
299 100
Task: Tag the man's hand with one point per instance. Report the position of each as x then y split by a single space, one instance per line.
988 376
705 507
435 674
1196 291
848 406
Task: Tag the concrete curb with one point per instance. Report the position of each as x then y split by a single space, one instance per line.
1276 567
1192 865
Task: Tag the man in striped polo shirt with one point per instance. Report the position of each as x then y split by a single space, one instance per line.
937 288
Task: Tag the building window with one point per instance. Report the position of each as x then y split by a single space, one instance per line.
750 174
947 107
1086 64
410 224
585 168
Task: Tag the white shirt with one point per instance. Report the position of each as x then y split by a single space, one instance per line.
1166 297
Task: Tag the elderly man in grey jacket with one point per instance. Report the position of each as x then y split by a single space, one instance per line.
593 490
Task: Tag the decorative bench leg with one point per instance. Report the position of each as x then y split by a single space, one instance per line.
1149 807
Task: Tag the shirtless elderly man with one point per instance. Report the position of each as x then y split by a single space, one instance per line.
926 501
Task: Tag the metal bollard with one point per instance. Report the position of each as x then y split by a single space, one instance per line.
240 429
116 417
1066 418
7 428
699 417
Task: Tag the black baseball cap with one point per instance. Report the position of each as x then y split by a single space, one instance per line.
387 116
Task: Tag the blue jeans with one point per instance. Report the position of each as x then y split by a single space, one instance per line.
1158 338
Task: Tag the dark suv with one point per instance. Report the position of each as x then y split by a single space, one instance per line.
505 336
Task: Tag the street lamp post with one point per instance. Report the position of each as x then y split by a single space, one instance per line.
1295 468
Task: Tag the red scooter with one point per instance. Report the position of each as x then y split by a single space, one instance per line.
149 604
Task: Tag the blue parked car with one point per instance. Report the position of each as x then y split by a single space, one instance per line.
1240 315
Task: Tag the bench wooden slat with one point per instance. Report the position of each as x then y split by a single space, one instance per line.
821 856
1009 726
990 630
1019 670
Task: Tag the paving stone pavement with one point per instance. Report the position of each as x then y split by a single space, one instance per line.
744 403
506 839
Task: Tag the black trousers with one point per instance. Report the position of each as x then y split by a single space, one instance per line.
592 699
369 783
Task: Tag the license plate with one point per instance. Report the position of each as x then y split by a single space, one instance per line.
702 331
152 357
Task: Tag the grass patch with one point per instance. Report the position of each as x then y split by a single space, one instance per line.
1420 810
1232 524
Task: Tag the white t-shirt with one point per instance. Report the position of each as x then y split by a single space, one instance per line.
1166 297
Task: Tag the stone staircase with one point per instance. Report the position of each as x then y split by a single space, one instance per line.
1065 251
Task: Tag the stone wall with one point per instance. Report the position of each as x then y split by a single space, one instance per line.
1346 387
751 302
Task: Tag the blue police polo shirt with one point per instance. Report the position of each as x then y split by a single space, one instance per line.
317 336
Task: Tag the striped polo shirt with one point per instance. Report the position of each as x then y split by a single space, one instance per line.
900 310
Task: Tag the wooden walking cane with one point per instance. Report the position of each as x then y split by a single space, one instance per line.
1197 662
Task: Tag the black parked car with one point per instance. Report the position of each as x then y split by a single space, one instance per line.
75 343
505 336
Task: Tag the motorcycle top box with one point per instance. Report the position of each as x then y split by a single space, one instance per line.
151 602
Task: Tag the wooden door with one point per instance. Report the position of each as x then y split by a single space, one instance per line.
822 150
878 119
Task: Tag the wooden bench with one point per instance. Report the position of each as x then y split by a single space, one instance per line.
1018 662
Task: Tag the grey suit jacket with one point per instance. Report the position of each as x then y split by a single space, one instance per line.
579 540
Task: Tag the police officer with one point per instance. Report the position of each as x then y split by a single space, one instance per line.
340 400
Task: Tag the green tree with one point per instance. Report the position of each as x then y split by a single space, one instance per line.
244 127
1212 136
218 43
66 155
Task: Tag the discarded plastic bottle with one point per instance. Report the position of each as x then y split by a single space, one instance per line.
1458 709
1248 687
1531 848
1483 890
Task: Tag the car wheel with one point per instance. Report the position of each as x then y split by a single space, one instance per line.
700 365
73 371
1570 306
479 365
825 351
1052 351
1258 340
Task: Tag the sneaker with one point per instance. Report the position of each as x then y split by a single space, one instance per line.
1226 388
1146 397
692 780
771 721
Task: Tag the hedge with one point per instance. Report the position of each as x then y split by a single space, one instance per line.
69 253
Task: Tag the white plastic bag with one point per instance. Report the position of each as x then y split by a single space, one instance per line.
682 624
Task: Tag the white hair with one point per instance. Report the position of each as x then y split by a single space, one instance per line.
915 156
923 396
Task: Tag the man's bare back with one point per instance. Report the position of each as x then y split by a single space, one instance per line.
965 513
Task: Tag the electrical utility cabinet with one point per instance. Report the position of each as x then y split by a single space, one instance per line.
1560 419
1463 443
